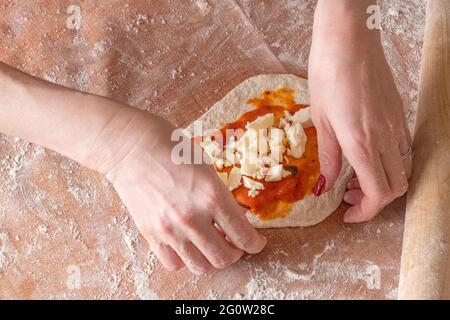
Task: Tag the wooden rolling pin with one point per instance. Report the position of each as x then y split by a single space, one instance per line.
425 264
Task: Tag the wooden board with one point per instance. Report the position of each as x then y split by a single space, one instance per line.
60 222
425 272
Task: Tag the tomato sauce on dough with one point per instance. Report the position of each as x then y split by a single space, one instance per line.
277 198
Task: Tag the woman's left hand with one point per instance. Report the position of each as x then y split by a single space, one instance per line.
358 113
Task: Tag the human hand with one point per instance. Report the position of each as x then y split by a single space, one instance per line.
184 211
358 112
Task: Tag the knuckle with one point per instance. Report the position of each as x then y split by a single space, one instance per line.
186 218
164 229
355 142
226 215
382 196
213 200
365 139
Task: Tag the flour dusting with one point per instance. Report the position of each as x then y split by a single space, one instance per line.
175 60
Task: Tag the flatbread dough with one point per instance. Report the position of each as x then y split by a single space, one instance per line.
311 209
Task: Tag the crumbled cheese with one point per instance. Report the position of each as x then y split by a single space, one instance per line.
276 173
234 179
263 122
218 163
211 148
263 142
276 137
253 186
297 140
269 161
230 157
283 123
261 149
262 172
248 168
248 143
232 143
303 116
253 193
248 147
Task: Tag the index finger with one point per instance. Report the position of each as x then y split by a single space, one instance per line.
238 230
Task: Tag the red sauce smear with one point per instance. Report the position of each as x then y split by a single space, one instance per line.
277 198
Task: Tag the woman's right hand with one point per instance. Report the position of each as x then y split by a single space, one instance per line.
184 211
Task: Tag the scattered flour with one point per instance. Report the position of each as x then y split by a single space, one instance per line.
65 204
142 284
204 6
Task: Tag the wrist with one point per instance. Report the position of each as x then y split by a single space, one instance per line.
123 139
114 140
344 21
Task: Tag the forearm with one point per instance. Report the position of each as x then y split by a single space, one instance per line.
69 122
345 21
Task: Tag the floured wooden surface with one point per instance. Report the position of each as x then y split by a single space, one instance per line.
175 58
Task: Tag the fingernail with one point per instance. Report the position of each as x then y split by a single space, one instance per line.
320 185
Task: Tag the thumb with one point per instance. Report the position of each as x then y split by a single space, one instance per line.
330 157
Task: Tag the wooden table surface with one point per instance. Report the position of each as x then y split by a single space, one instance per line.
63 230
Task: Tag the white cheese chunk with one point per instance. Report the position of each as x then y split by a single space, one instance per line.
283 122
276 137
297 140
253 193
248 168
248 143
247 146
230 157
234 179
269 161
263 142
253 186
218 163
231 144
303 116
263 122
276 173
211 148
262 172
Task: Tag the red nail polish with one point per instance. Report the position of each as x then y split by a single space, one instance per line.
320 185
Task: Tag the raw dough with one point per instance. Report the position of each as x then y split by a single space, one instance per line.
308 211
